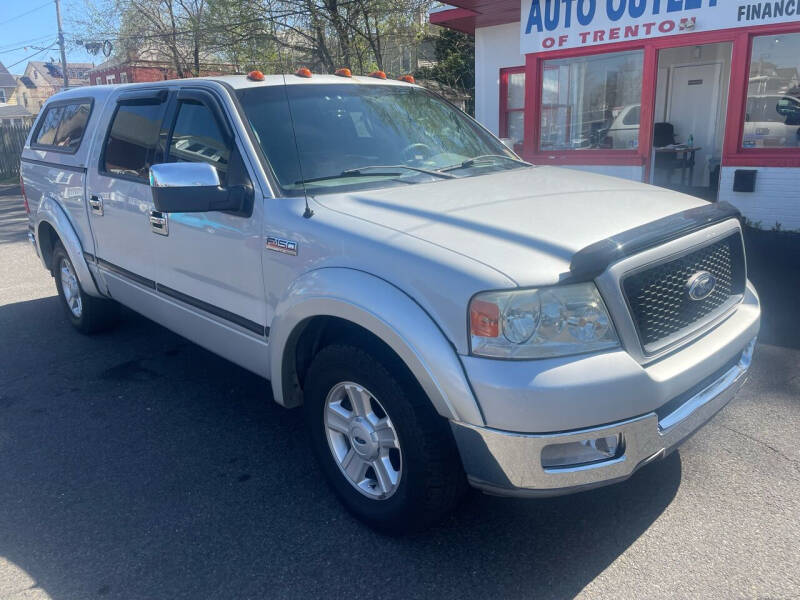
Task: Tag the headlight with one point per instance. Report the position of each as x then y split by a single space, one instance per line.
540 323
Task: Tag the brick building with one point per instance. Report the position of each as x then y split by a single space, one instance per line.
138 69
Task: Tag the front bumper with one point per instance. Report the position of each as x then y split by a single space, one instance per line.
510 463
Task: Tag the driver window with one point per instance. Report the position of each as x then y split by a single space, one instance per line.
197 138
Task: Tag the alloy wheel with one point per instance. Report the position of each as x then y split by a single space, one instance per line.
71 288
363 440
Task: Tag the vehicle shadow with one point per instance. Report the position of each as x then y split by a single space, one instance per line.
138 465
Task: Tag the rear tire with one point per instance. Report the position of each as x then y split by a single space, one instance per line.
409 474
86 313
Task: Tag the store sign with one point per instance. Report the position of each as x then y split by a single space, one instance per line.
559 24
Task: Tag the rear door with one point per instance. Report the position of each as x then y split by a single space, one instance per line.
118 190
212 260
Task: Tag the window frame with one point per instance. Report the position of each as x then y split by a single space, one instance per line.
534 93
206 99
504 110
734 153
43 114
128 98
210 100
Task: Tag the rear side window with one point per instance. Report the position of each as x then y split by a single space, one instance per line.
632 118
132 141
62 126
73 123
47 130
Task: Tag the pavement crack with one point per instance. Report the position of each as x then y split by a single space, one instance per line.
795 463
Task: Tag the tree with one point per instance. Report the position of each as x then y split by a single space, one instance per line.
272 35
455 63
171 30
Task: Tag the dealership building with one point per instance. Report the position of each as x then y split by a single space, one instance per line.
697 95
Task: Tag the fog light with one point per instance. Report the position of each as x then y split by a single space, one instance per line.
575 454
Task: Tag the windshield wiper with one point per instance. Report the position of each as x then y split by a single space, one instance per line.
483 158
361 171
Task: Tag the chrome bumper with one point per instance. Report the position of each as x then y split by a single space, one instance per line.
510 464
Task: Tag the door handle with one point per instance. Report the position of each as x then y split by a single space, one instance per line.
159 223
96 204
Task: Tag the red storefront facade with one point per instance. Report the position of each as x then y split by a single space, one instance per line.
577 99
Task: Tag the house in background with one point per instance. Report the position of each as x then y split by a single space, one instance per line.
43 79
8 86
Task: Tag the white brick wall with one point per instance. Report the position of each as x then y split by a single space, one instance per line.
496 48
776 199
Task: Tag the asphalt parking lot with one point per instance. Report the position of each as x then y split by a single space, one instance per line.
135 464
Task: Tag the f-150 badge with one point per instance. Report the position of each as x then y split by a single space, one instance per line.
282 246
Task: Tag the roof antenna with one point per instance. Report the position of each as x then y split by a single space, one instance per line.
307 213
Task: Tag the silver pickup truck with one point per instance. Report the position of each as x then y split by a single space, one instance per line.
446 313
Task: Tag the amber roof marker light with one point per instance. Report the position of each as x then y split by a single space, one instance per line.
255 76
407 78
378 74
343 72
303 72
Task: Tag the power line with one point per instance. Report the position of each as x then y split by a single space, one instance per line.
24 43
32 55
31 45
25 13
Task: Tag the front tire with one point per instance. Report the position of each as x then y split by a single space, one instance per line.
86 313
383 448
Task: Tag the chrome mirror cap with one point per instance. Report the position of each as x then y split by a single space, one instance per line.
183 175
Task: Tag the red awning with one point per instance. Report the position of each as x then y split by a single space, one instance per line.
466 15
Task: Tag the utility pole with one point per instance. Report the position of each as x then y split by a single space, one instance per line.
61 44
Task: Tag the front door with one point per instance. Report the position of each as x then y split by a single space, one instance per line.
211 261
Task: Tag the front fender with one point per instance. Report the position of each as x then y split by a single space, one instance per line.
388 313
49 211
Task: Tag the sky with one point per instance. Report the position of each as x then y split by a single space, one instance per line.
28 25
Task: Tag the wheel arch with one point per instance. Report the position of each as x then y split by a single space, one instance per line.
338 303
52 225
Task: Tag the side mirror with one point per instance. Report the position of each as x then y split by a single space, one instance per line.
193 187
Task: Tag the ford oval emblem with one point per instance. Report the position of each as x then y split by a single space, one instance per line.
700 285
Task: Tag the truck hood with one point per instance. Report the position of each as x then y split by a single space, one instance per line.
525 223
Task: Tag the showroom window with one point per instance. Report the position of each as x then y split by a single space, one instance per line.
772 113
592 102
512 105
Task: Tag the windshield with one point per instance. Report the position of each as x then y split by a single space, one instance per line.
350 136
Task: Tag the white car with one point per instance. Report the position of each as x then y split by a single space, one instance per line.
444 312
772 121
623 131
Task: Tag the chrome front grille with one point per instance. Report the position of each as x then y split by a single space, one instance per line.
658 295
